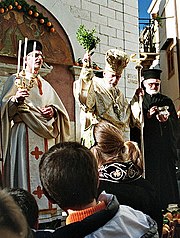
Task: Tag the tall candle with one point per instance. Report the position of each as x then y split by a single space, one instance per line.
34 48
25 50
19 57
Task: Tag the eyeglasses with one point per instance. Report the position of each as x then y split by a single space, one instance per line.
151 84
36 55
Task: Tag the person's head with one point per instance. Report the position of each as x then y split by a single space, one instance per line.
26 201
69 175
12 222
30 53
116 61
111 147
152 81
112 78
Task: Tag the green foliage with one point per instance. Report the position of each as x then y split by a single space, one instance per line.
86 38
159 20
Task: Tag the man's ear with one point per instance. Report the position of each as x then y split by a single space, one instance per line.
143 83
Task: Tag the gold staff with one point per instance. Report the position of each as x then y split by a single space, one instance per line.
139 67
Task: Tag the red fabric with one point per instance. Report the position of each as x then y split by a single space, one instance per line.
81 214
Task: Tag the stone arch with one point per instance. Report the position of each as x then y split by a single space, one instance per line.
68 22
57 49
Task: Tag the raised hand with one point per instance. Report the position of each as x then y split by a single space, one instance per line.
86 60
152 111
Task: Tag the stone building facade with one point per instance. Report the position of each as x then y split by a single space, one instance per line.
167 38
116 24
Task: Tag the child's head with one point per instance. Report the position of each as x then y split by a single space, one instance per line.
69 175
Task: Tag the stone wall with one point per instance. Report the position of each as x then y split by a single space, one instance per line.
115 21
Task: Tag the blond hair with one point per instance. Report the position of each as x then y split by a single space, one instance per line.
110 146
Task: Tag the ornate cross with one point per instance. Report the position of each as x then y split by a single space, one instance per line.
37 152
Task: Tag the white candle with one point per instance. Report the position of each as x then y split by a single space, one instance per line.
25 50
34 48
19 57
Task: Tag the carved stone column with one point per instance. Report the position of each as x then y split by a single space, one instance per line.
76 70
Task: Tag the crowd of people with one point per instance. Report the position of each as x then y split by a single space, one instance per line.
99 182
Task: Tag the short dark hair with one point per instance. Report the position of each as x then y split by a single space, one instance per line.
69 174
26 201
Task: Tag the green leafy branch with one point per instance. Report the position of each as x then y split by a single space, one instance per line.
86 38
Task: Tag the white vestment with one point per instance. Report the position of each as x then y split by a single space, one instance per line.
27 135
100 102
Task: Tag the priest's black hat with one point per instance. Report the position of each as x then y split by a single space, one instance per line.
152 74
30 45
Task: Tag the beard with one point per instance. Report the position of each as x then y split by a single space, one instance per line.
152 91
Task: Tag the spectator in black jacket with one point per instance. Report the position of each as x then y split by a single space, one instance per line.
120 171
